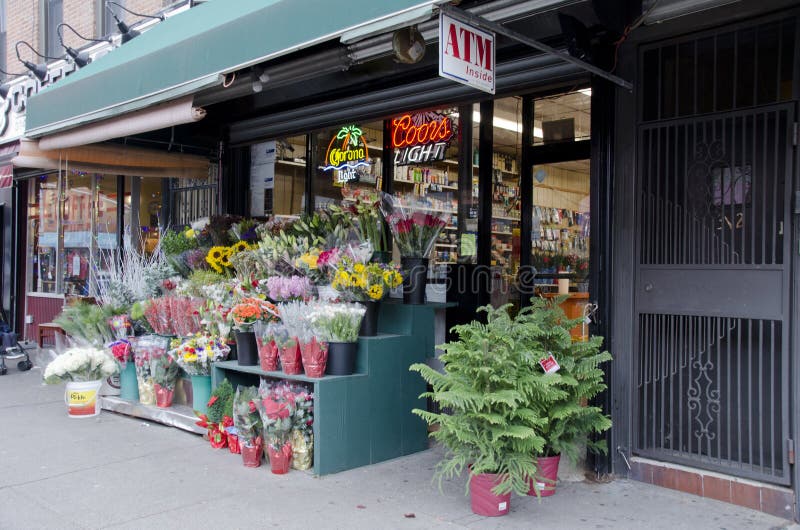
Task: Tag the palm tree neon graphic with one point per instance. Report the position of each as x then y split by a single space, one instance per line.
351 152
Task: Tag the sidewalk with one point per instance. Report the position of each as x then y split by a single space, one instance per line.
115 471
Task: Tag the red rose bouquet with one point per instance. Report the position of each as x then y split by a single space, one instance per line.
415 225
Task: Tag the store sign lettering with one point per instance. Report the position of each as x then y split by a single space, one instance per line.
347 151
466 54
420 138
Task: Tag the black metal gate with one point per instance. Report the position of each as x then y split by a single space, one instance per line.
713 292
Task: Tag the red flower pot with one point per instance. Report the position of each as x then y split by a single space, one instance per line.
546 478
216 436
315 357
163 396
251 454
483 501
268 354
279 459
291 360
233 444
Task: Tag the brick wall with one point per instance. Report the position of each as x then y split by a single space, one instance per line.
23 23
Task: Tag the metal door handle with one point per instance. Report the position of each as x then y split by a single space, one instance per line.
648 287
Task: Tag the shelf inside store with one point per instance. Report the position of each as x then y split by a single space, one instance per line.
505 218
291 163
502 233
450 245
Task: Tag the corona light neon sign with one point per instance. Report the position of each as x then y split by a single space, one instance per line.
420 138
347 151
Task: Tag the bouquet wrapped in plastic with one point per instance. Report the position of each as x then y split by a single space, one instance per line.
122 351
158 315
145 349
247 421
277 412
120 325
336 322
165 372
268 336
415 225
184 315
80 365
298 332
196 354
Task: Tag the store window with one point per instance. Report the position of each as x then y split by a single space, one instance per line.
505 225
347 158
73 232
278 177
425 155
562 118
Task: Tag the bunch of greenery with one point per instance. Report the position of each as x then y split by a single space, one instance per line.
323 228
503 409
87 323
571 421
193 286
175 242
223 406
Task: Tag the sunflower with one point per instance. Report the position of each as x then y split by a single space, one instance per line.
225 260
239 246
392 278
358 268
216 253
375 292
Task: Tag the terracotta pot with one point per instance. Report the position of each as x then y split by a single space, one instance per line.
482 500
268 355
280 459
291 360
546 477
163 396
251 454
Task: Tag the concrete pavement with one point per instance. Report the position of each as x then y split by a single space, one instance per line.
119 472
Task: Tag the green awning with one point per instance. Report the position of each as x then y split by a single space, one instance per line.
194 49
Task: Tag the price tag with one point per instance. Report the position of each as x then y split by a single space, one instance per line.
549 364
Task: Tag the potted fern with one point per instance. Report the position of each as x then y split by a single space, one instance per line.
576 378
490 387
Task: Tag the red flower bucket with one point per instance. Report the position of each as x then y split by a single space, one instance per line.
216 436
268 354
233 444
547 476
279 459
251 454
163 396
291 359
315 357
483 501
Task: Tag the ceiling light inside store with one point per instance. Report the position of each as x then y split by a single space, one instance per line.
586 91
502 123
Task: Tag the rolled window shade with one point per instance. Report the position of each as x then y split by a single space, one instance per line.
158 117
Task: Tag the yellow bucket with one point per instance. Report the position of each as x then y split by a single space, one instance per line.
82 399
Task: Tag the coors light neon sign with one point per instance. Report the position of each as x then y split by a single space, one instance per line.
420 138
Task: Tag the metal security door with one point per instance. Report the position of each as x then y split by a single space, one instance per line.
712 292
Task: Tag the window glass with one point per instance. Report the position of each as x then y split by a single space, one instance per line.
278 176
563 118
54 15
425 155
77 226
348 157
43 233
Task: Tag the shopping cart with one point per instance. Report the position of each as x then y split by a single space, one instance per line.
10 348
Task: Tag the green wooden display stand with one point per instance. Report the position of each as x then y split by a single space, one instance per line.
366 417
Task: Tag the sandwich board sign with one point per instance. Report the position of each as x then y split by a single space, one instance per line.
466 54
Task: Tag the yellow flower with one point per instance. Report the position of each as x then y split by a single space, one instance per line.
190 358
358 268
189 233
239 246
392 278
375 292
310 260
225 260
216 253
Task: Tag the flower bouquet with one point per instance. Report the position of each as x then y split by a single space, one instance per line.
368 283
268 336
120 325
247 421
219 416
302 428
123 353
195 356
288 288
165 374
277 413
415 227
158 315
184 315
298 332
244 315
145 349
364 205
83 371
338 325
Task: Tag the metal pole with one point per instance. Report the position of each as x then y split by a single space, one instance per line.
488 25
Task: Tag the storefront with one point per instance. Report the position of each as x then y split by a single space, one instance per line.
528 177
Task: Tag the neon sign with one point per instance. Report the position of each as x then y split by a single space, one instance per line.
420 138
347 151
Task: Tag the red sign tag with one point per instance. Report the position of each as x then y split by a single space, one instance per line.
549 364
